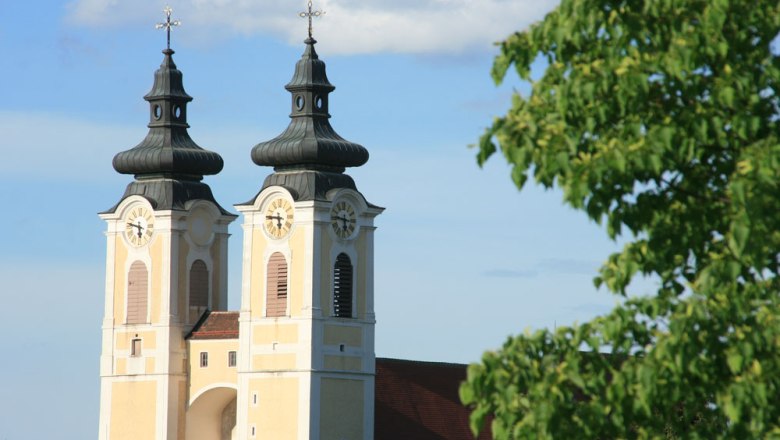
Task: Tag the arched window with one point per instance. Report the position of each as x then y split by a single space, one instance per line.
276 289
342 287
199 289
137 293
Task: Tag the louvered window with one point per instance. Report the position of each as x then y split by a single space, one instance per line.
137 293
276 289
342 287
199 289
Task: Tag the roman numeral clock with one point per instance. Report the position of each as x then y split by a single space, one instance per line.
139 226
278 217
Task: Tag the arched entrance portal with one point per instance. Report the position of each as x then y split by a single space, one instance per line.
212 415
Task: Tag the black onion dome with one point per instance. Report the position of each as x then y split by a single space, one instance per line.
168 149
309 142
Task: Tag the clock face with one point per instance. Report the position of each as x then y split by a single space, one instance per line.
278 217
139 226
343 219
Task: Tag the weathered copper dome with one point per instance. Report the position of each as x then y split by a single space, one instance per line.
168 165
168 149
309 142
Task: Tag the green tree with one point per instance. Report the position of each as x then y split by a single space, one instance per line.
660 120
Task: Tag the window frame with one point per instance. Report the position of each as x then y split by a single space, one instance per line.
137 299
277 286
136 347
343 287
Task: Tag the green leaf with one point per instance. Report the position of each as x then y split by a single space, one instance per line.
735 362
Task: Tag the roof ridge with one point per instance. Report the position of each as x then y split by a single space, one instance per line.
414 361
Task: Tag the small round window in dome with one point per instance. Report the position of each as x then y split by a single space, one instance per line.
318 102
176 111
156 112
299 102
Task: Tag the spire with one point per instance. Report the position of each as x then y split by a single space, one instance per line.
168 149
309 142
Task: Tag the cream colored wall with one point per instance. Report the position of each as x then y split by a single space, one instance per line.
133 410
296 269
216 274
341 409
120 279
181 410
276 332
206 415
218 371
361 287
340 334
326 271
156 274
274 362
258 275
343 363
181 291
148 340
276 414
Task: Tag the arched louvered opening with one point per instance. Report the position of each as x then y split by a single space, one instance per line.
137 293
199 289
342 287
276 289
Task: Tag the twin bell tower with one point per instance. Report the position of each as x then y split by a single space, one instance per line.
297 361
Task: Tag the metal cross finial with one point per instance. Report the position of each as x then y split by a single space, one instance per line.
168 23
309 14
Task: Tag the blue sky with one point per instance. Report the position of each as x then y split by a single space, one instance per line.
462 258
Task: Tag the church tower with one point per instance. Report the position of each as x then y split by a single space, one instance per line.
166 264
306 361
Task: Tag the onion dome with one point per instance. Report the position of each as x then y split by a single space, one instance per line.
309 142
309 157
168 165
168 149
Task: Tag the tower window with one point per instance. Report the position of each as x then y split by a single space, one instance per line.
135 348
137 293
231 359
199 289
276 289
342 287
204 359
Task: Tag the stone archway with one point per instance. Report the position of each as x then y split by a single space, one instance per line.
212 415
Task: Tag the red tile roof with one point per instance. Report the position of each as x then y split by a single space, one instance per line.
216 325
419 401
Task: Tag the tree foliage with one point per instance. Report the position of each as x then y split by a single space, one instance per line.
660 120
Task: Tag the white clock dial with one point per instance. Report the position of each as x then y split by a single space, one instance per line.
343 219
139 226
278 218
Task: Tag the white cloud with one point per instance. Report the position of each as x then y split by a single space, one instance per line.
348 26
